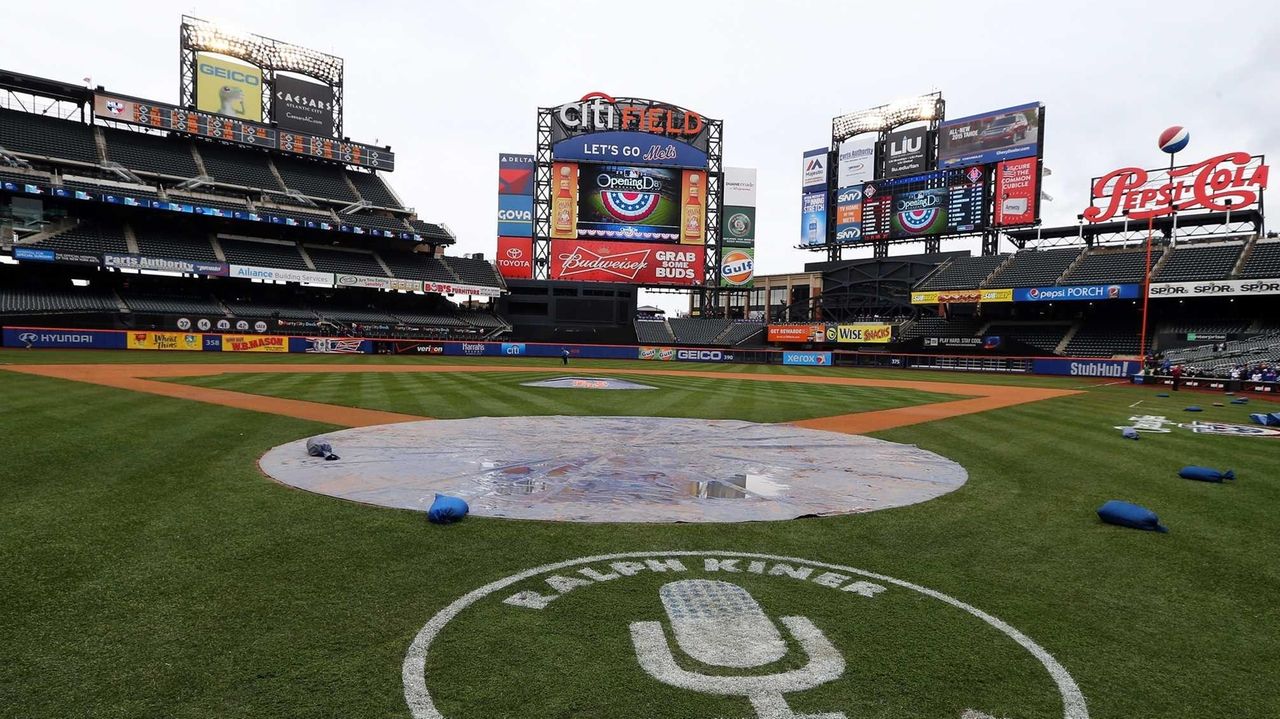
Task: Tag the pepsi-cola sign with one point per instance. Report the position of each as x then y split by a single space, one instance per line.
1227 182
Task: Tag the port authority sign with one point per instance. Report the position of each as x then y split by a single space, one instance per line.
1219 288
719 634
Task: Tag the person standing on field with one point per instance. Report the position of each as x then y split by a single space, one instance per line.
564 357
1176 373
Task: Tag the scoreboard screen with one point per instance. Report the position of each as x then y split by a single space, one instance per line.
967 200
877 212
217 127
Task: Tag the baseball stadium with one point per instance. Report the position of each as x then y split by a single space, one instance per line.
275 447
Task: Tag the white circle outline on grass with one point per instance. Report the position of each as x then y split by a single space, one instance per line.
413 671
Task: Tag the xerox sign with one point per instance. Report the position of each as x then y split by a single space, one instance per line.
633 262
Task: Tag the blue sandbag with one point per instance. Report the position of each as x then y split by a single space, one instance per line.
446 509
1205 474
1240 400
1192 408
1218 404
1162 394
1275 419
1262 419
1129 433
1128 514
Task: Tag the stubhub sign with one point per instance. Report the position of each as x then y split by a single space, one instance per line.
1085 368
1075 293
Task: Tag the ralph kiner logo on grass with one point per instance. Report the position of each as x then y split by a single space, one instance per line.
704 632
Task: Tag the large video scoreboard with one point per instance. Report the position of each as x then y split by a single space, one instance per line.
160 116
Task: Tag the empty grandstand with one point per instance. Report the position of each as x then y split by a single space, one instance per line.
113 225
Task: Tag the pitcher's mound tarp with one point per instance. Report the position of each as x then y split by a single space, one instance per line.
586 383
619 469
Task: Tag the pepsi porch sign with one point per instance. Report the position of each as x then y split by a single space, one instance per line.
1076 293
629 147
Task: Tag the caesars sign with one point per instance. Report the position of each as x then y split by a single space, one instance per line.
1232 181
598 112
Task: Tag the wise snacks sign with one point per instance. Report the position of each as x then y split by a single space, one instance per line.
1232 181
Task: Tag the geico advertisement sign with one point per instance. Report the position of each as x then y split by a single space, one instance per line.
703 356
861 333
1223 288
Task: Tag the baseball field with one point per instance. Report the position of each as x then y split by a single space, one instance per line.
148 568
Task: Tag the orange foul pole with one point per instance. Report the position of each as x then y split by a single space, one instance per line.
1146 292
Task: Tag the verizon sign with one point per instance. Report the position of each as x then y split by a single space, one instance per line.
629 262
1233 181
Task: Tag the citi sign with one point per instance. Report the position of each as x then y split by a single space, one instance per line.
597 111
229 74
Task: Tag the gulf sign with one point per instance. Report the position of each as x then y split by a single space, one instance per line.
629 262
737 267
629 147
866 333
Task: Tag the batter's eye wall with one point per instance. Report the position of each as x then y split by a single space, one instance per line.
549 311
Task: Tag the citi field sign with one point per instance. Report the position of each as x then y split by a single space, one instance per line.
598 112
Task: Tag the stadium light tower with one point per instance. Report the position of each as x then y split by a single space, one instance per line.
925 108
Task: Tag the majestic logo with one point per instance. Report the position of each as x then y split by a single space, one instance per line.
1220 184
730 626
626 265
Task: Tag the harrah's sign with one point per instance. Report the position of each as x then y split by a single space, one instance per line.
1206 185
598 112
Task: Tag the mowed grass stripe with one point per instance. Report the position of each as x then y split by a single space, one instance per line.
453 394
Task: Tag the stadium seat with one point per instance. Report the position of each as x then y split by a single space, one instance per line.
263 254
1112 266
143 152
962 273
345 262
1034 268
37 135
1263 261
1208 262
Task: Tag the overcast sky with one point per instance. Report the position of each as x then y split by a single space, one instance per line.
449 85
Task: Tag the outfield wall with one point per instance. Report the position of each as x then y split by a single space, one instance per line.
58 338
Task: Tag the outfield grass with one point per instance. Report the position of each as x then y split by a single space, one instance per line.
149 570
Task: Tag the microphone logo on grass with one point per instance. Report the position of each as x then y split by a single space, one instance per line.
721 625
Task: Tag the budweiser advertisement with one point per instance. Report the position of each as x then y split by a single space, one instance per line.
630 262
515 257
1228 182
